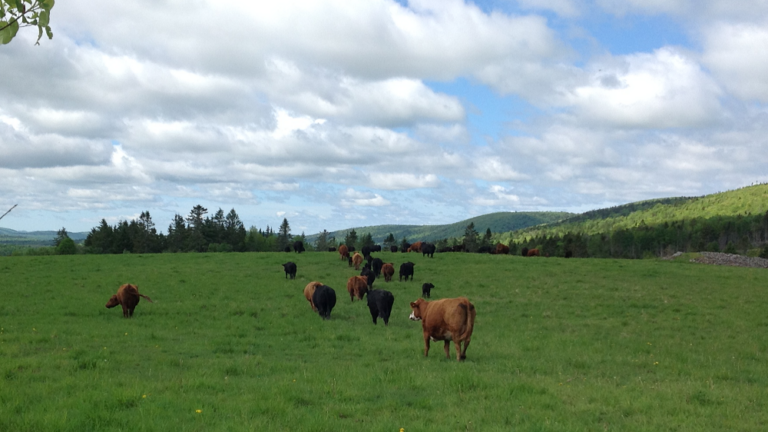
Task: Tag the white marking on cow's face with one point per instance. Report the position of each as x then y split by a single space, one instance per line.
413 317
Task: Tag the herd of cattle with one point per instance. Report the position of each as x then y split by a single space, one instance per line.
445 320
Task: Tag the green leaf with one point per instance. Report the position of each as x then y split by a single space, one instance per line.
45 17
47 4
49 32
8 33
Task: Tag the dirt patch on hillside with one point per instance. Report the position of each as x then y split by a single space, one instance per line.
718 258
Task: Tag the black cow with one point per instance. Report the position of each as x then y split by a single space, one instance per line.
405 247
287 248
458 248
524 252
331 249
366 251
426 289
380 304
484 249
368 273
393 249
428 249
298 246
290 270
324 299
406 269
376 248
569 254
349 260
350 248
376 264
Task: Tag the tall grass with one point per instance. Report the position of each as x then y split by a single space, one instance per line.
230 344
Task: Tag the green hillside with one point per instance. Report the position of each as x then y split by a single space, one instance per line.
750 200
497 222
34 238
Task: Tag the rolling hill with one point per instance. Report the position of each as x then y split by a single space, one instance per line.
34 238
497 222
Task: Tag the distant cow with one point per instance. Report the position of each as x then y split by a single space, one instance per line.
343 252
366 250
569 254
533 252
370 276
524 252
406 269
405 247
128 297
298 246
376 248
393 249
446 320
502 249
324 299
426 290
357 259
357 286
287 248
331 249
309 290
351 248
415 247
458 248
428 249
290 270
376 265
380 304
484 249
388 270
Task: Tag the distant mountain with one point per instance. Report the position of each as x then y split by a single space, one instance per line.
497 222
35 238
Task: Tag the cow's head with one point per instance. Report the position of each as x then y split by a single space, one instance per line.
416 310
113 301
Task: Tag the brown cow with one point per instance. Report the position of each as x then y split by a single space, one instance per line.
446 320
502 249
128 297
533 252
309 290
343 252
357 286
357 259
388 270
416 247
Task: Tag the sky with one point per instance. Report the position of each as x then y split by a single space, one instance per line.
336 114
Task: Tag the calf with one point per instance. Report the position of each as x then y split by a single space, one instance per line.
357 259
446 320
309 290
370 276
502 249
376 265
533 252
343 252
380 304
324 299
128 297
298 246
406 269
290 270
388 270
415 247
426 289
357 286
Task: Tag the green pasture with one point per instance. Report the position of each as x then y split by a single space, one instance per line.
230 344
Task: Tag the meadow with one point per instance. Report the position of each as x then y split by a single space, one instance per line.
230 344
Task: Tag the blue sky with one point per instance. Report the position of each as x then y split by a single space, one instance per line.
336 114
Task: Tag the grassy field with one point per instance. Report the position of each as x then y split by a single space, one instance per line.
230 344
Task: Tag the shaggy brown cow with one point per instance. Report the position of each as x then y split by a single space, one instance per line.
533 252
357 286
357 259
502 249
309 290
128 297
388 270
415 247
446 320
343 252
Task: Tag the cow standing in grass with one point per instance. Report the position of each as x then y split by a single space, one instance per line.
445 320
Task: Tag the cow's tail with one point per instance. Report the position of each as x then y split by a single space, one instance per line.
148 299
469 324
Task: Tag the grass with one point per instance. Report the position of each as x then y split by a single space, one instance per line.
559 345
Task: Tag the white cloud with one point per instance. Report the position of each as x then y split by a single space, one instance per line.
737 56
354 198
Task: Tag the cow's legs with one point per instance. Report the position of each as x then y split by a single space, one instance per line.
426 344
464 351
447 348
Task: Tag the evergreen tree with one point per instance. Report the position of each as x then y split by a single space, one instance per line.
390 241
284 235
366 240
403 244
351 238
177 234
471 243
321 244
60 236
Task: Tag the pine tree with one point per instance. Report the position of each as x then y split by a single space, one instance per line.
321 244
471 238
283 235
351 239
